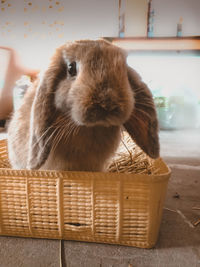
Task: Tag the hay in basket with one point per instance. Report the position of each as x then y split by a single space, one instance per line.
129 158
122 206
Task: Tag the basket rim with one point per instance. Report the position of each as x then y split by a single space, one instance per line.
142 177
45 174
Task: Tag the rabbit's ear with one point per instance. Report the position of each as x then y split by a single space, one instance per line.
44 114
143 124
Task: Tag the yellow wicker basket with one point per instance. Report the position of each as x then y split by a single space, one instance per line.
114 208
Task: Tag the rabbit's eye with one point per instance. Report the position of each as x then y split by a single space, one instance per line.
72 69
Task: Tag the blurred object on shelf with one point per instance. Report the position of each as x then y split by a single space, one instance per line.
20 89
177 112
4 60
179 27
150 19
121 26
121 18
11 72
133 18
174 81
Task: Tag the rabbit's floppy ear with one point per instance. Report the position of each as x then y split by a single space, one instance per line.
143 124
43 113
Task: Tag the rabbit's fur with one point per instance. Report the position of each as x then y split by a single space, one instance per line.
71 118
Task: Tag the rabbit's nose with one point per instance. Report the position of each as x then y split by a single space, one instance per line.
100 112
108 108
96 113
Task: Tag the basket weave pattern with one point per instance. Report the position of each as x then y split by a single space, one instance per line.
96 207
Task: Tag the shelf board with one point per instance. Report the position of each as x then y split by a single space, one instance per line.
164 43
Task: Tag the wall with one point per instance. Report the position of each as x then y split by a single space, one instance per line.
168 12
136 18
34 27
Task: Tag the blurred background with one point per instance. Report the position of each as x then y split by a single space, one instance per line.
162 39
35 28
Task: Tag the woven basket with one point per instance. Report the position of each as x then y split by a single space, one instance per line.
115 208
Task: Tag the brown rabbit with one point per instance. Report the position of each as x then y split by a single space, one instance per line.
71 118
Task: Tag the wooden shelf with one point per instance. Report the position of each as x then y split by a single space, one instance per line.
156 44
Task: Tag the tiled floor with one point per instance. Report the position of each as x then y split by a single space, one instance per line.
179 239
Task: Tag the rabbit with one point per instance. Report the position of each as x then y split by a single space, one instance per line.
71 118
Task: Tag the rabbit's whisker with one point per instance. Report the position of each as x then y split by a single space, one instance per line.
70 131
142 112
46 141
77 130
51 135
43 135
57 138
144 103
64 131
139 89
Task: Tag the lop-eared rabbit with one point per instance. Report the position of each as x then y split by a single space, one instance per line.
72 117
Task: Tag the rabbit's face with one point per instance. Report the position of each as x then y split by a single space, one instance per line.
95 89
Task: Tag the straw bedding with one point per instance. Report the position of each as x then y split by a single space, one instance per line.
129 158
